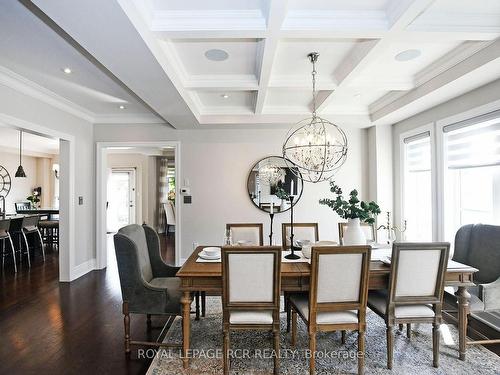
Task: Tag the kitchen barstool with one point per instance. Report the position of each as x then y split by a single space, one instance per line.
5 236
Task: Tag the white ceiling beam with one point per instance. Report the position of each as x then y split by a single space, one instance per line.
400 13
487 59
210 34
276 16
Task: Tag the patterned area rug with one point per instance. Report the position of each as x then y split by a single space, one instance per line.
252 350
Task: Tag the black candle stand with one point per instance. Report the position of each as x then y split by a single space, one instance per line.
271 230
292 255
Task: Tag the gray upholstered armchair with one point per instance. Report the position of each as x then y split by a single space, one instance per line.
478 245
149 286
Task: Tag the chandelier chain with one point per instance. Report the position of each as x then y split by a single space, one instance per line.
314 86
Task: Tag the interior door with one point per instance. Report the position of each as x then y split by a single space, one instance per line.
121 199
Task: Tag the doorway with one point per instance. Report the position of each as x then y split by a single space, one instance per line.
121 191
156 177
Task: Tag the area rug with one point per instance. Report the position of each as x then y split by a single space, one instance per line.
252 350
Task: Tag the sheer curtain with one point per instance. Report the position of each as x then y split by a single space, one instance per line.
162 191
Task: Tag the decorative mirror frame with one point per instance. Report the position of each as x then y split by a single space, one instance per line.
287 164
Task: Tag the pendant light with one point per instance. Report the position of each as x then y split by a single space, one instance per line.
20 169
315 147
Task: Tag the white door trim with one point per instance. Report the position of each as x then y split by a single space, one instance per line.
101 170
68 271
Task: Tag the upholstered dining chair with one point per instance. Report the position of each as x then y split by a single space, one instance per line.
251 293
301 231
148 285
5 236
337 296
251 234
415 293
169 216
368 229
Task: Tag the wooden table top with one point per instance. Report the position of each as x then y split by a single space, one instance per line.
191 268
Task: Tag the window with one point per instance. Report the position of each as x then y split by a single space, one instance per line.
417 194
472 173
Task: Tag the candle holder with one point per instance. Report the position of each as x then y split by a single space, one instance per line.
271 230
292 255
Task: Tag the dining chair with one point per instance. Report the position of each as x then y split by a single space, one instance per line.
251 294
415 293
250 233
169 216
30 228
5 236
148 285
301 231
368 229
337 296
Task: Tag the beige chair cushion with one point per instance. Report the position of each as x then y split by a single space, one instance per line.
251 235
301 301
251 277
417 273
377 300
251 317
301 233
339 277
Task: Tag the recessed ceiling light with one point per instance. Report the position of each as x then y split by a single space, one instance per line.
408 55
216 55
66 70
121 106
225 96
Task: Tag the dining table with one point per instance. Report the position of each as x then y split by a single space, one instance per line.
202 276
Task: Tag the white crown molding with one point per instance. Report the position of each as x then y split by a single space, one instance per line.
30 88
34 90
448 61
335 20
234 82
183 20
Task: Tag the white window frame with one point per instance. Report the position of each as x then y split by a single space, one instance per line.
402 154
442 157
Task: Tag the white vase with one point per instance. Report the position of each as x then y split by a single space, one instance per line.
353 234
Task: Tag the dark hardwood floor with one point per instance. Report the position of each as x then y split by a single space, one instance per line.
49 327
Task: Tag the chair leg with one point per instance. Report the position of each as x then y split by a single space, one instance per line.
390 346
312 349
41 244
343 337
197 303
294 328
276 337
126 324
435 344
3 253
288 309
408 331
361 351
13 253
225 349
203 303
27 249
148 321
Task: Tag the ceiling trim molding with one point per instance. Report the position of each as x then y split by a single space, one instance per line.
335 20
129 118
30 88
183 20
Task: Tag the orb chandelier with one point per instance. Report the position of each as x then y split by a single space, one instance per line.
271 174
315 146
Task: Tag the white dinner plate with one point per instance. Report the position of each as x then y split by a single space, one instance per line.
204 255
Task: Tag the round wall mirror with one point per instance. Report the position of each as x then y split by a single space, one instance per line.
271 181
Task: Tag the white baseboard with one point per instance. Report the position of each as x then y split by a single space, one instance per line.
82 269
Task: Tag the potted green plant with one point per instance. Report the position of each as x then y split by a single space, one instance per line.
34 199
283 195
354 211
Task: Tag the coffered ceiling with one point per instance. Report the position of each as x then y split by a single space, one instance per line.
227 63
373 53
